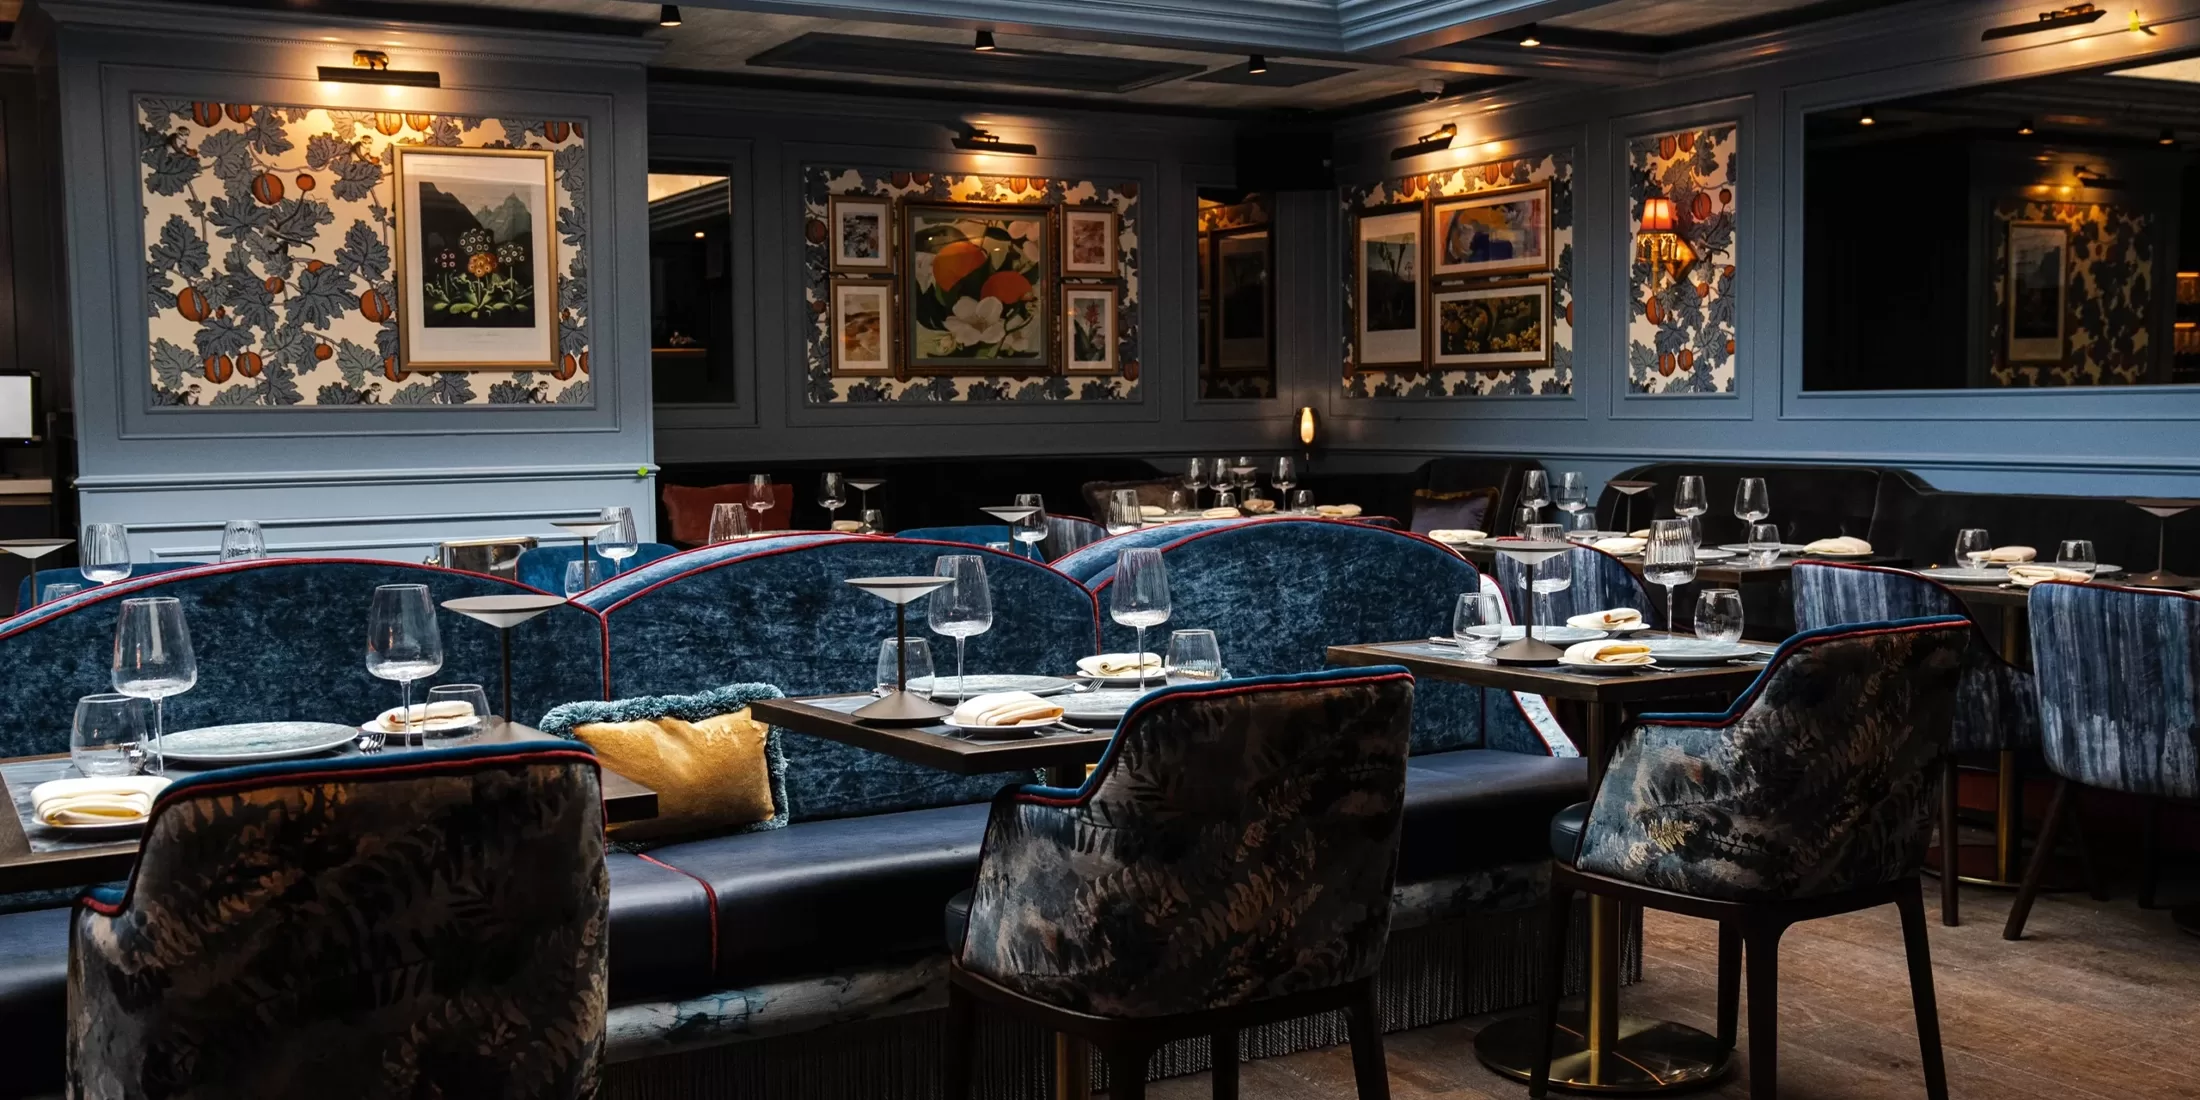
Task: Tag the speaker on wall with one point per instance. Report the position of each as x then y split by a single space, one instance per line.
1285 159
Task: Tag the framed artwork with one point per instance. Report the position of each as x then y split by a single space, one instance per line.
863 327
1088 328
2038 278
859 231
1244 300
477 261
1388 286
1501 231
975 289
1504 324
1088 241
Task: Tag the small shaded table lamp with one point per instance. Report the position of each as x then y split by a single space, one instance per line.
33 549
899 707
1630 490
1529 650
504 613
586 530
2161 508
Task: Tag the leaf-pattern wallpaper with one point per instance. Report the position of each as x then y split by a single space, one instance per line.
269 259
819 184
2109 290
1680 338
1558 378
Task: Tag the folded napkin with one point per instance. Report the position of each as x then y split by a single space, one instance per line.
1606 653
1152 511
1841 544
1119 664
1624 544
1644 534
1458 534
1260 506
2025 576
96 800
850 526
1612 619
2006 555
1338 511
1219 513
1004 708
427 716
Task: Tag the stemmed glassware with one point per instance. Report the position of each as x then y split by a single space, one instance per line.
728 522
1195 478
1286 475
832 495
105 552
1031 529
2078 555
963 609
242 540
1572 496
1669 559
1535 492
1138 597
761 498
154 660
618 541
1752 501
1690 500
1972 546
403 644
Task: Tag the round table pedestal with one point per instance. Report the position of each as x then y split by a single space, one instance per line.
1649 1056
1978 864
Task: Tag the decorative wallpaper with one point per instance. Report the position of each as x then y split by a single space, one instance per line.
2108 290
269 262
1557 378
820 184
1680 335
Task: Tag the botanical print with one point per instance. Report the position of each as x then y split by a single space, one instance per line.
976 285
1477 325
863 327
861 234
1554 169
1090 326
270 245
1502 231
1680 329
1390 284
1088 242
2106 295
979 379
2036 264
476 254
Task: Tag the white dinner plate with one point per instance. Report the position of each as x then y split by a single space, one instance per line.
1588 669
1707 554
1698 651
987 685
246 742
441 727
1031 724
1744 548
1838 553
1965 574
1556 635
1105 707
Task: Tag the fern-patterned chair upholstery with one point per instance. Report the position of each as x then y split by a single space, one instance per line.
1228 863
2119 678
413 924
1812 795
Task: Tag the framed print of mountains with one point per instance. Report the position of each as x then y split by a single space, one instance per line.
477 258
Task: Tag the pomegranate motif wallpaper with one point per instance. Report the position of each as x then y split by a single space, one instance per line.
1680 327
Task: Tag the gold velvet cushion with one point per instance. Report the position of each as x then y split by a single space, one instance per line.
715 769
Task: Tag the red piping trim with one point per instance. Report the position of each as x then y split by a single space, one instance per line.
1249 523
1741 704
105 909
710 898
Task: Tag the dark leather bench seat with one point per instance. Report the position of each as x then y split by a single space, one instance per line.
1482 807
34 999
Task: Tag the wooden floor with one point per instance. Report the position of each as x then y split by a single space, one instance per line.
2101 1000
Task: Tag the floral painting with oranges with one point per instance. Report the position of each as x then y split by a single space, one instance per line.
977 280
269 247
1680 328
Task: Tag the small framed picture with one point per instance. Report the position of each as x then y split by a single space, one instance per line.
1501 231
1088 241
477 250
1088 328
859 234
2038 277
1244 301
864 327
1388 283
1490 325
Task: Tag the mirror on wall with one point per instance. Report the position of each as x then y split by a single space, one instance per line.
690 287
2035 234
1237 300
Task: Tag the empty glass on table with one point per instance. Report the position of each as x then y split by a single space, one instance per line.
1669 560
108 737
1752 500
1972 546
1195 657
1139 596
1195 478
404 643
443 703
890 667
761 498
1764 544
577 578
1225 497
1286 475
61 591
1572 496
1180 501
1243 474
2077 555
1124 511
1719 614
1302 501
1477 609
1535 492
1552 575
105 552
153 660
832 495
874 521
618 541
1690 500
728 522
962 610
1031 530
242 540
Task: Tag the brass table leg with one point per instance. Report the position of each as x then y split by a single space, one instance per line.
1072 1055
2002 865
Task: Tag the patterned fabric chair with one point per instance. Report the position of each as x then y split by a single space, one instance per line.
2119 676
1229 863
1812 795
1996 707
415 924
1597 581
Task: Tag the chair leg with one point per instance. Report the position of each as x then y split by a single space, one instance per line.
2057 806
1560 921
1951 844
2150 854
1224 1044
961 1031
1762 949
1911 903
1730 983
1127 1071
2096 884
1364 1024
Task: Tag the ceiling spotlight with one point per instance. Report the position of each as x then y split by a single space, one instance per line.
984 44
1864 117
1256 64
2024 127
1431 90
2168 137
2076 15
1434 140
986 141
1528 37
668 15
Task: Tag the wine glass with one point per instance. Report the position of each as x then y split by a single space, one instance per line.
1302 501
1535 492
874 521
1572 495
1752 501
60 591
1553 576
761 498
618 541
1225 497
2077 554
890 666
1691 499
728 522
1032 529
1138 597
1195 478
109 735
1286 475
403 644
960 610
1719 614
472 696
1242 473
1972 545
576 578
1195 657
1221 476
1764 544
154 659
106 552
1479 608
242 540
1526 519
1669 559
832 495
1124 514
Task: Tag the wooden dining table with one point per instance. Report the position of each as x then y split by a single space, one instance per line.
33 857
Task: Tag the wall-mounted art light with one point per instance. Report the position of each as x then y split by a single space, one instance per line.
2024 127
1865 117
2076 15
1433 141
373 67
668 15
986 141
1256 64
2089 176
983 43
1308 433
1528 37
1658 241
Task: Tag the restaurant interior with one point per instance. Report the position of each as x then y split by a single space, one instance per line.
1297 549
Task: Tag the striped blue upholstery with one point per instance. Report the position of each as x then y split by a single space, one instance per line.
2119 680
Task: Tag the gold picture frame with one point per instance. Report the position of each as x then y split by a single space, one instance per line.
1095 230
1522 227
839 209
1091 325
870 304
439 269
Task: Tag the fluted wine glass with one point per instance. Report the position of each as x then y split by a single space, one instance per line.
105 552
1195 478
962 610
1138 597
242 540
728 522
403 644
618 541
153 659
1690 500
1032 529
1669 559
832 495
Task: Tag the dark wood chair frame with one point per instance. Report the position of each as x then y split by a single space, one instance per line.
1757 926
1129 1044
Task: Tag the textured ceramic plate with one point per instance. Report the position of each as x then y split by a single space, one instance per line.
1713 555
1744 548
1588 669
1100 708
249 741
1964 574
997 731
1697 651
987 685
1556 635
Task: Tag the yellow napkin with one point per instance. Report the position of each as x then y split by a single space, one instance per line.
450 714
2025 576
1004 708
1458 534
1628 544
1841 544
1219 513
1338 511
1643 534
2006 555
848 526
1119 664
1152 511
96 800
1606 653
1260 506
1612 619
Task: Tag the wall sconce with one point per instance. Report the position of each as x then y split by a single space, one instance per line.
986 141
1434 140
1307 428
2089 176
373 67
2076 15
1658 241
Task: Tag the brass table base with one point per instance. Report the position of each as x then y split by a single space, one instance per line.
1650 1056
1977 865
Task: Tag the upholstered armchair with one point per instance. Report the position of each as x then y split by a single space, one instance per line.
2119 681
1996 709
401 925
1229 863
1812 795
1597 581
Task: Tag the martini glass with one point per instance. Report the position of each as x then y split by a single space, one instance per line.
1630 490
1014 514
1530 650
864 485
585 530
898 707
2161 508
504 613
32 550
